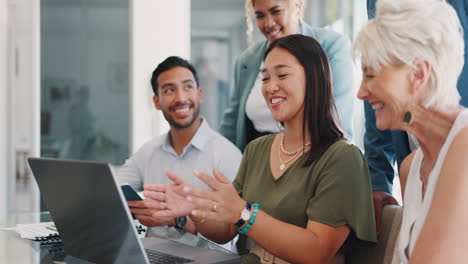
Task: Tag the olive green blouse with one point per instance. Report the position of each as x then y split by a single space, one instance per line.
334 190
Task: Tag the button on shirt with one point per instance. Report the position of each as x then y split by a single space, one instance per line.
207 150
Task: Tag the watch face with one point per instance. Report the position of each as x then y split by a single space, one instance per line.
245 215
181 221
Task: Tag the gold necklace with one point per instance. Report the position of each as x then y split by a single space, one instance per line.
283 163
293 153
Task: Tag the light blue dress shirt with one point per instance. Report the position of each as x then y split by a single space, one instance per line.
207 150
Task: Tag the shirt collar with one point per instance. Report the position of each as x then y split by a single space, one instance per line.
202 135
198 141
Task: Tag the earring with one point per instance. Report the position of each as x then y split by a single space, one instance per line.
407 118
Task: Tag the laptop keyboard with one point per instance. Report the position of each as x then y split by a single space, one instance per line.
158 257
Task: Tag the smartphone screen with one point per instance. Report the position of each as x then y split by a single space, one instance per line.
130 193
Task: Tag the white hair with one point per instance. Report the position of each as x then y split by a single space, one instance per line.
404 30
250 13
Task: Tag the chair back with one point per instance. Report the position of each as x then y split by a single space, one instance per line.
384 251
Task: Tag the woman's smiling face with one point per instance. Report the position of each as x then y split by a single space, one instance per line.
387 91
284 85
276 18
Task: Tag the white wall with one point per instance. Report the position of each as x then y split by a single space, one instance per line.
24 85
157 31
23 44
3 110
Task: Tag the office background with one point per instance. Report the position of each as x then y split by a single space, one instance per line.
74 74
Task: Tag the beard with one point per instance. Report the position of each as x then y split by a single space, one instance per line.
173 123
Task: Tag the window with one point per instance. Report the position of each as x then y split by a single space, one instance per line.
84 80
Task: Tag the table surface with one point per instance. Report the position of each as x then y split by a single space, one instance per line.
14 249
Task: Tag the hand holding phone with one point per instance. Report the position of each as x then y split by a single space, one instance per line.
130 193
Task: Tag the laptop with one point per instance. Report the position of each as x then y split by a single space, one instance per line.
94 222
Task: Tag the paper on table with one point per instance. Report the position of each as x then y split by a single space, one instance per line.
32 231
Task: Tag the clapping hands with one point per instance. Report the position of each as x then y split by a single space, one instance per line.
172 195
222 203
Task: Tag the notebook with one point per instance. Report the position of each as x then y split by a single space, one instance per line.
94 222
45 232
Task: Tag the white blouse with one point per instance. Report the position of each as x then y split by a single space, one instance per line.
415 207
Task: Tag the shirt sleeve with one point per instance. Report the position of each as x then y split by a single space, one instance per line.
229 121
229 163
343 193
130 173
339 53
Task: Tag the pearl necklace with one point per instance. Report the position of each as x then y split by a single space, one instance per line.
293 153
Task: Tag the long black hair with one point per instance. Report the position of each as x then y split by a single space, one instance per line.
319 104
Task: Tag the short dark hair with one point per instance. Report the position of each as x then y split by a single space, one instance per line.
167 64
318 102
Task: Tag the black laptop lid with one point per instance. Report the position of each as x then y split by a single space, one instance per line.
87 208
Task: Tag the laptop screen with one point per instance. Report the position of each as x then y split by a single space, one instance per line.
88 210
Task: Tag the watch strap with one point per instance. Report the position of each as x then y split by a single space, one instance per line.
180 222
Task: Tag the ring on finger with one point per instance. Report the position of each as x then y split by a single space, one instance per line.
215 206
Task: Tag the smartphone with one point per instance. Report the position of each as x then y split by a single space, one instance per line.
130 193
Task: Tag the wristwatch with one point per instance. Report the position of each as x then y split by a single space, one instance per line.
180 222
245 215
